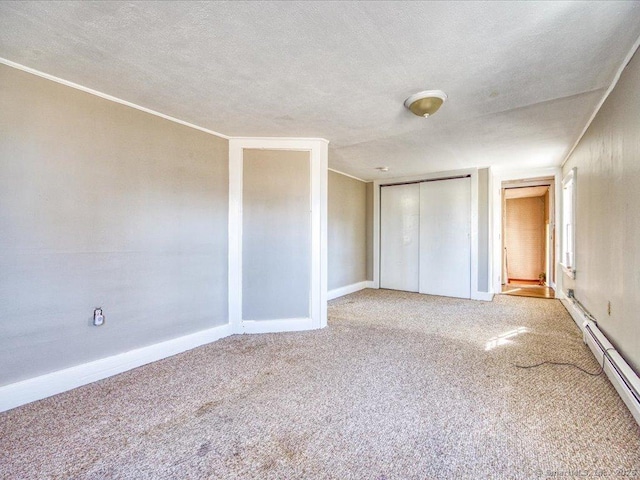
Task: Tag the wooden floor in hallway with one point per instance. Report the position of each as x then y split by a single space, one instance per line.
528 290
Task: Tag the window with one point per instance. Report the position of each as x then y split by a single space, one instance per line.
568 260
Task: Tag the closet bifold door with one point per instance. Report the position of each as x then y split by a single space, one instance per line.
445 237
399 237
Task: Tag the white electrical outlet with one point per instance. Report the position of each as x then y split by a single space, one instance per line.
98 318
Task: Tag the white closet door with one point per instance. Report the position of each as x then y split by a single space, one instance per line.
445 237
400 237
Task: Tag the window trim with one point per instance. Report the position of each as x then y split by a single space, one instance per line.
569 181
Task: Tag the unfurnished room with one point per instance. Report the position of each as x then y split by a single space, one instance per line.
379 240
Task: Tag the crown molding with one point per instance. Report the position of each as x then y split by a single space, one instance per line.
614 82
111 98
350 176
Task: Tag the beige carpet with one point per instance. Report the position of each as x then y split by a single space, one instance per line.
399 386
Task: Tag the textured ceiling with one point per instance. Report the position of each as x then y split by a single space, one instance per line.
523 78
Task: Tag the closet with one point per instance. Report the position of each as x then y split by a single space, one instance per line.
425 237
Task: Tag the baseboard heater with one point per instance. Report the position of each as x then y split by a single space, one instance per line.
621 375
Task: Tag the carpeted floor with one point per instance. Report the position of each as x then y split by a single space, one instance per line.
399 386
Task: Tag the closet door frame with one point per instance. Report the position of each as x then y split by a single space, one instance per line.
471 172
318 151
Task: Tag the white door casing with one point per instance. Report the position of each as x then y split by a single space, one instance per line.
499 176
317 317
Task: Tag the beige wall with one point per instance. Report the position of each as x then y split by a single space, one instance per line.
348 230
103 205
608 216
483 229
276 234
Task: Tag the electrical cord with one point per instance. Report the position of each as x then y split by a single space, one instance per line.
548 362
600 370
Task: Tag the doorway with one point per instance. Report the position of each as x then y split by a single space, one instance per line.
528 232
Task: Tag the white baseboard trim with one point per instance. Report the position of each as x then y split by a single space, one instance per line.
280 325
484 296
620 374
37 388
618 371
346 290
576 314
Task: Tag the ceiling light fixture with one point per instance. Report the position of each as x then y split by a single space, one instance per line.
383 169
424 104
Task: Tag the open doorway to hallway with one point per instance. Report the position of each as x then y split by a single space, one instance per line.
528 252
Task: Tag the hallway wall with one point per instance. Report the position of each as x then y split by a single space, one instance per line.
525 237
